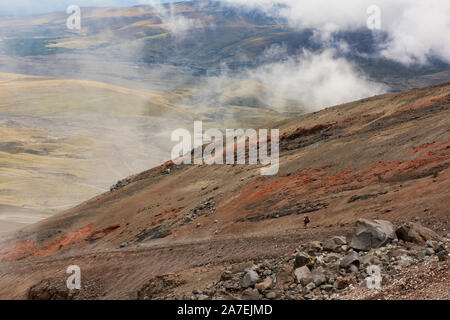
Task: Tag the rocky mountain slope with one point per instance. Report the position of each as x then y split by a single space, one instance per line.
82 108
384 158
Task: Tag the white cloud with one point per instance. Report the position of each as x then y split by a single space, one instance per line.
178 24
417 29
308 82
315 80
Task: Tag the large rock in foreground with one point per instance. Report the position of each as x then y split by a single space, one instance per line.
414 232
369 234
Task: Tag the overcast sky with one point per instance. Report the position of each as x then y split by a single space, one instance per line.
27 7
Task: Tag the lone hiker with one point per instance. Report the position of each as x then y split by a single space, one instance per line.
305 221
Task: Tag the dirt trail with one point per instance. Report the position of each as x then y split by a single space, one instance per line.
130 267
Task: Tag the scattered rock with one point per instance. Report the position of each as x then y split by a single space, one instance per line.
284 277
251 294
265 285
334 244
327 287
406 261
271 295
250 279
301 259
399 252
318 277
226 275
314 247
303 275
442 255
159 287
352 258
341 283
310 286
370 259
123 245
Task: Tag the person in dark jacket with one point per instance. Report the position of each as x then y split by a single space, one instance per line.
306 220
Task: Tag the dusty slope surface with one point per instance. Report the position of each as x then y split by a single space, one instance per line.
385 157
63 141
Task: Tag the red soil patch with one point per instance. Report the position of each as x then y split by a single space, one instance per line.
422 147
166 214
102 233
443 146
298 132
29 248
318 182
17 250
425 103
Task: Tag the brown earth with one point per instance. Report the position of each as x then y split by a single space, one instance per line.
385 157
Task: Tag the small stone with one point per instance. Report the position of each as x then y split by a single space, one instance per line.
301 259
271 295
421 254
442 255
310 286
327 287
353 268
352 258
226 275
334 244
341 284
399 252
406 261
250 279
124 244
309 296
314 247
431 244
266 284
318 277
251 294
303 275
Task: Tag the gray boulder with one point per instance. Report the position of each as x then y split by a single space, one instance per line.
416 233
369 234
